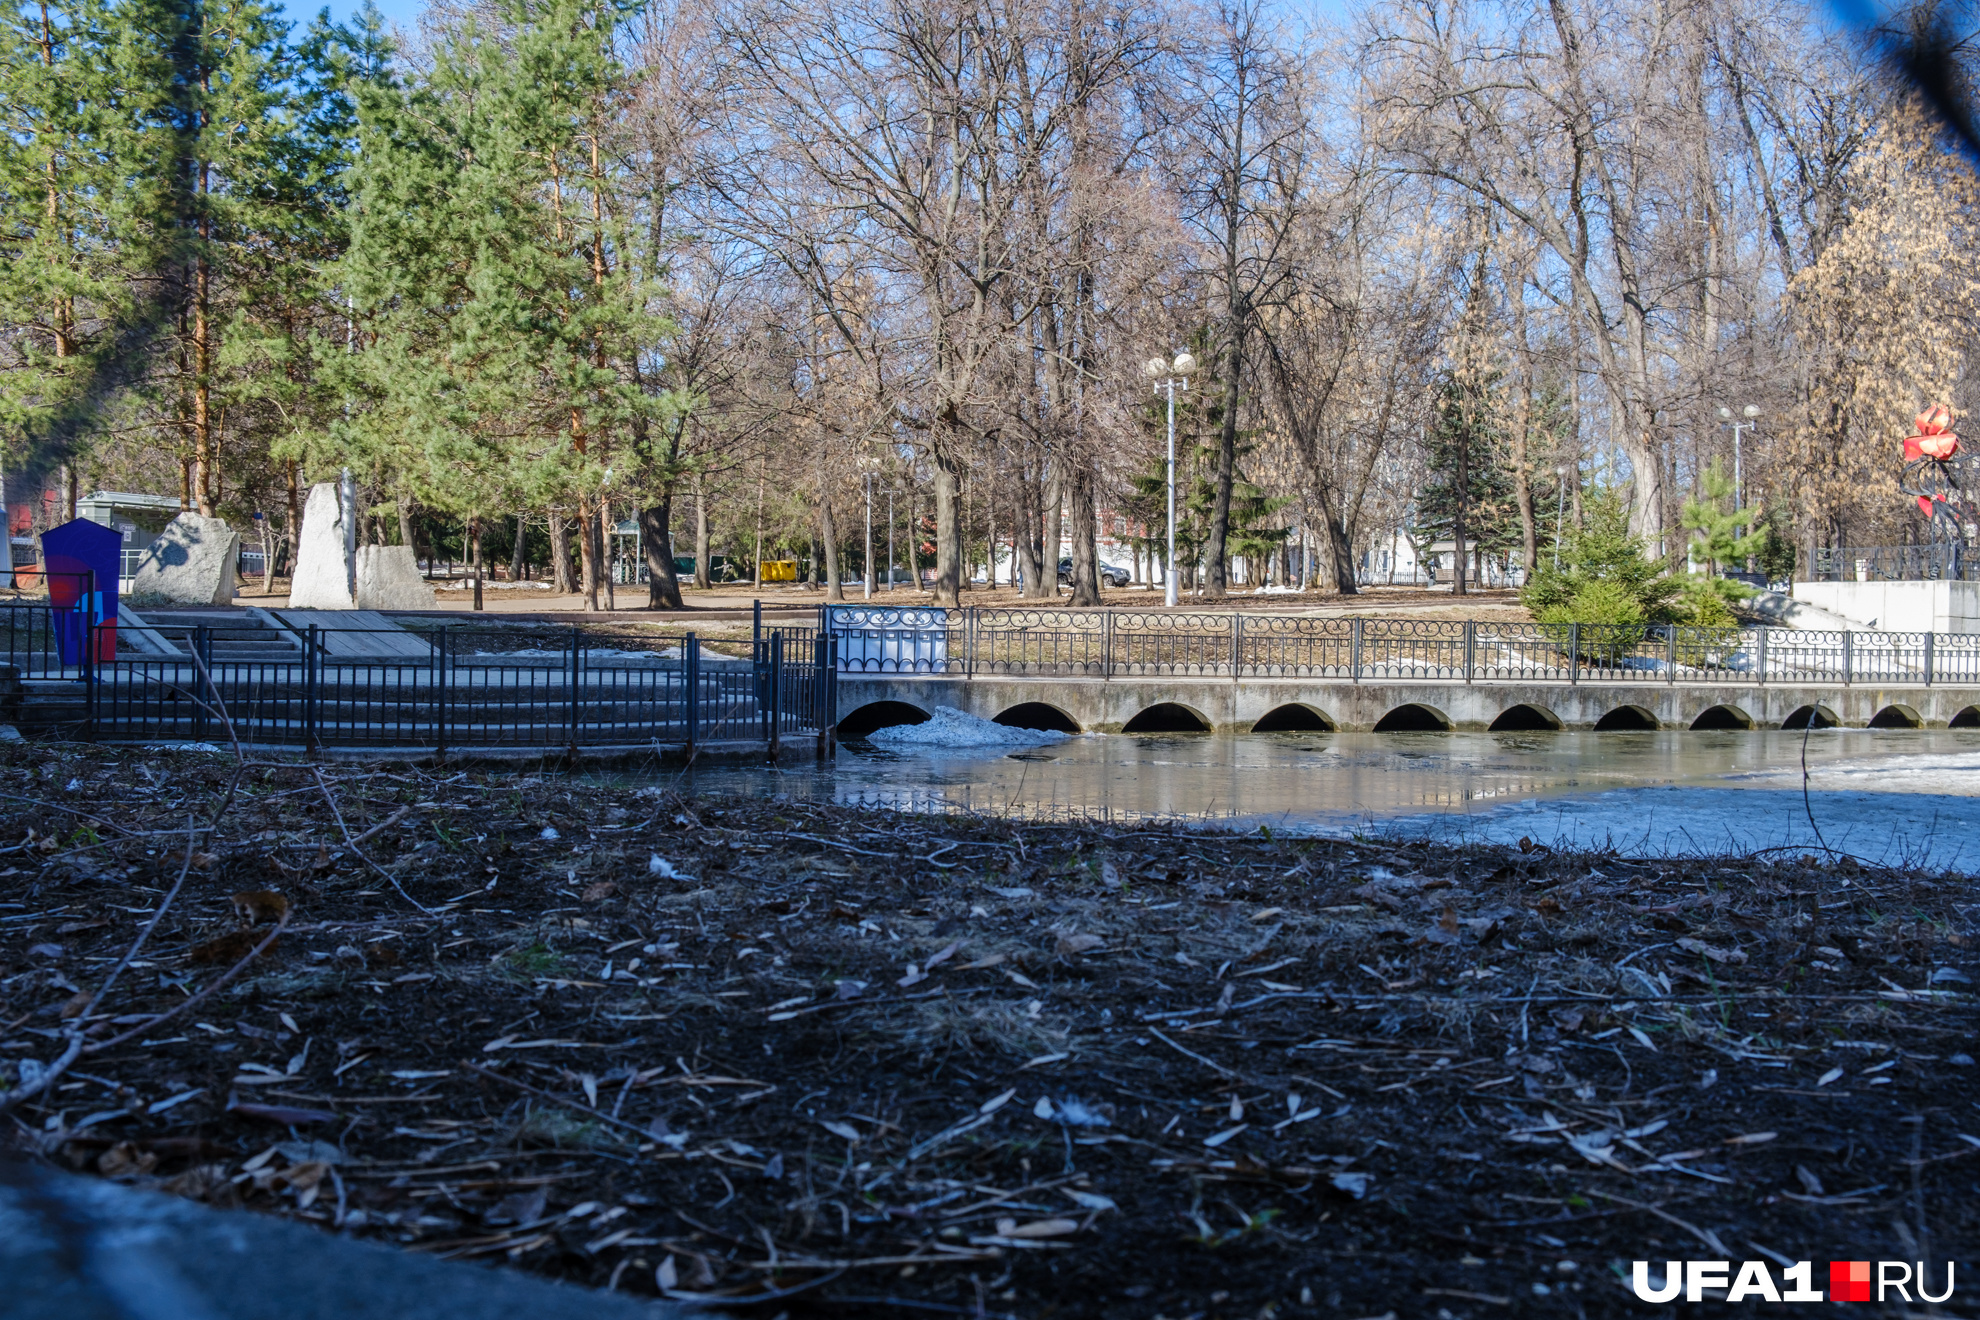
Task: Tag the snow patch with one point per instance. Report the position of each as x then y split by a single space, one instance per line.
949 727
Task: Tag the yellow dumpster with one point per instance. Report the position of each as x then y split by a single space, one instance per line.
779 570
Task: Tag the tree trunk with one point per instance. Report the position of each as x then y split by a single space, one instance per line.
1215 552
948 531
560 554
519 561
588 553
1024 538
608 551
828 533
1085 538
474 548
1053 534
701 570
663 586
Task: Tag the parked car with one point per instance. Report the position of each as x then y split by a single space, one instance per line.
1108 574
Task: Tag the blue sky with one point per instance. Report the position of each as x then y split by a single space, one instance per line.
406 12
402 12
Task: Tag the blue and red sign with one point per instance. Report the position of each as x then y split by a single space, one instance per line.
80 562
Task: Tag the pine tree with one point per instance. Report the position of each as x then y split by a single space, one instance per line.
77 151
1464 435
499 320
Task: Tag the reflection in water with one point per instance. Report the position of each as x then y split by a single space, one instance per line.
1888 794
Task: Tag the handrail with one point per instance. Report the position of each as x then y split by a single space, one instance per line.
996 641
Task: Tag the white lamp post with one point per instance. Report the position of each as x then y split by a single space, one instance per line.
1168 376
1751 412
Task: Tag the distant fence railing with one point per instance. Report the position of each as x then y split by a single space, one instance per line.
973 642
318 689
1940 562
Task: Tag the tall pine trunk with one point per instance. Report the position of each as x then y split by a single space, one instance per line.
663 584
560 554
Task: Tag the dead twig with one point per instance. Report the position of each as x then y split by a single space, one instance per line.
358 852
1208 1063
556 1099
76 1043
212 989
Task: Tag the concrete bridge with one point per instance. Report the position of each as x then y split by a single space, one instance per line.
1248 704
1129 672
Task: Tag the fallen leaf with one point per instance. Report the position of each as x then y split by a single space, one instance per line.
1751 1138
1072 944
282 1115
1090 1200
518 1207
1832 1075
941 956
1267 914
838 1129
1042 1059
1712 953
1037 1228
848 989
599 889
915 976
1225 1135
1642 1039
666 1276
995 1103
124 1159
1354 1184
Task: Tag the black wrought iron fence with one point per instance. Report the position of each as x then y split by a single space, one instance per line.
1124 644
449 687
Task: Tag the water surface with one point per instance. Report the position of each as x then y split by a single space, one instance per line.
1887 795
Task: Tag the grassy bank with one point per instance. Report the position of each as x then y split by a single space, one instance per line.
901 1065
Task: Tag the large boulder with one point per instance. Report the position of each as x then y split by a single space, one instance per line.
323 575
81 1249
192 562
388 578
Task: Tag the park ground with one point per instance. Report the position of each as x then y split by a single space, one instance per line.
629 601
820 1062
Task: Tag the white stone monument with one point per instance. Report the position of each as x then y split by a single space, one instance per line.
388 578
191 562
323 572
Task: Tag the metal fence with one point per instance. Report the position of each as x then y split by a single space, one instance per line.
971 642
462 687
1939 562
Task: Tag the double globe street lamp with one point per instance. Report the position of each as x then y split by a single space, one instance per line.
1169 376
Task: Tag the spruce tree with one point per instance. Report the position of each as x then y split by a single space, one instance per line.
486 267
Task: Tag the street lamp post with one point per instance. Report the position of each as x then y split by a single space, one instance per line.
1167 375
890 538
1751 412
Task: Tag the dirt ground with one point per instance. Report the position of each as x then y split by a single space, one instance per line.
630 601
819 1062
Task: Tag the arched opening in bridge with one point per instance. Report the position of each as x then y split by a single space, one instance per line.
1038 715
1629 719
1294 718
1722 717
876 715
1167 717
1820 717
1897 717
1414 718
1526 719
1966 719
